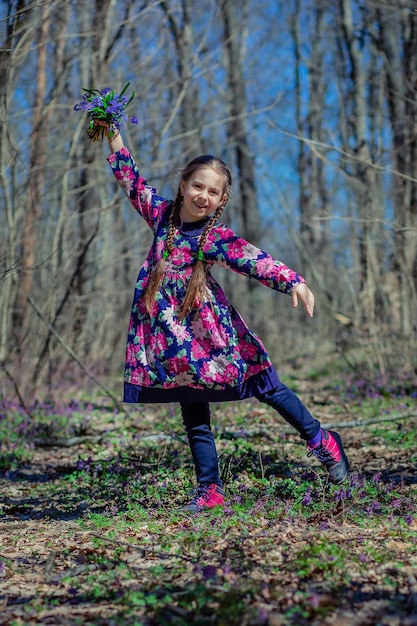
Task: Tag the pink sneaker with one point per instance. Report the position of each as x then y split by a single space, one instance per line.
331 454
206 497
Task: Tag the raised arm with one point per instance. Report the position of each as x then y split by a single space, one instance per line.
142 196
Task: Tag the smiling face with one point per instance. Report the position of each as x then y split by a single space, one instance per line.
202 193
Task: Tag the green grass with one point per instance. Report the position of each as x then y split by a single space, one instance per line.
287 543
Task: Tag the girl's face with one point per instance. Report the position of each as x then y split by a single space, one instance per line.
202 193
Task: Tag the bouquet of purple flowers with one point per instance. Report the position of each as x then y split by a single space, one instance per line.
107 106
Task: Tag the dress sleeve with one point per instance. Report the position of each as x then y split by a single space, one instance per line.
225 248
142 197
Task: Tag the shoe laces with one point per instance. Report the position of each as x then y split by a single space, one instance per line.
201 491
323 454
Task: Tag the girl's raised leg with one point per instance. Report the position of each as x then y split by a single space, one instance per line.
325 445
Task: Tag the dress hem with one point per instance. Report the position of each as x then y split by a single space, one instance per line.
255 386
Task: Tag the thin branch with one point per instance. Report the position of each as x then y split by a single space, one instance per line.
314 144
377 420
72 353
17 391
150 551
270 433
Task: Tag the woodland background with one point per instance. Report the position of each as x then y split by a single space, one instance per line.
312 104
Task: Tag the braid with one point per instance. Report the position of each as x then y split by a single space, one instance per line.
197 287
173 222
158 273
209 226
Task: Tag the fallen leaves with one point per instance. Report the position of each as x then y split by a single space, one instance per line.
100 550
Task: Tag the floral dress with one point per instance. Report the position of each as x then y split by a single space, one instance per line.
210 354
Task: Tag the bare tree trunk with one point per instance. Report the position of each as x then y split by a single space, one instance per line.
313 191
315 207
234 16
15 23
245 203
397 39
20 22
367 185
87 268
187 91
35 182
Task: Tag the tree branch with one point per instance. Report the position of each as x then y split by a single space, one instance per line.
72 353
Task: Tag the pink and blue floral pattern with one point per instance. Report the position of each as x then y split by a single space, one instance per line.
211 348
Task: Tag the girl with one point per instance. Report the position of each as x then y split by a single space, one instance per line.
186 343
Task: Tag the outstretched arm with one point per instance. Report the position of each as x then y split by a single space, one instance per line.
306 296
229 250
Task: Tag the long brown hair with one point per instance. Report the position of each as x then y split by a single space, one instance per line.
197 286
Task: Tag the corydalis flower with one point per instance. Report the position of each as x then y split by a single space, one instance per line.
107 106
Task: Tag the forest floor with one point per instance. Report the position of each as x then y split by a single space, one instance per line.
92 529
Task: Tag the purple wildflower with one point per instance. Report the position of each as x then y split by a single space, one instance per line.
262 616
397 503
106 106
209 572
340 495
314 600
377 477
374 507
307 498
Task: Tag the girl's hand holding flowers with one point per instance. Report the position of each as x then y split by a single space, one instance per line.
106 110
116 141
